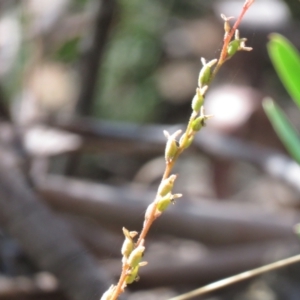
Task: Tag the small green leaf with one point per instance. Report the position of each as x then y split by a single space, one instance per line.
286 61
283 128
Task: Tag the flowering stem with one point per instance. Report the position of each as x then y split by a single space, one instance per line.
151 218
228 37
167 172
186 138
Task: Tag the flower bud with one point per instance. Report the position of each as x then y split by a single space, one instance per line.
166 185
136 256
185 143
198 123
205 73
197 101
204 76
128 243
133 273
164 202
233 47
171 146
171 149
227 26
236 45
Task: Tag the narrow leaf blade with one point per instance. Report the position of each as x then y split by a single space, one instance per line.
283 128
286 61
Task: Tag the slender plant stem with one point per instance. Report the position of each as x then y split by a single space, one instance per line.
119 288
170 164
239 277
228 37
151 218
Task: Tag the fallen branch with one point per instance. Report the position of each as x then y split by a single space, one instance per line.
45 237
99 241
94 54
210 222
148 140
41 286
209 266
239 277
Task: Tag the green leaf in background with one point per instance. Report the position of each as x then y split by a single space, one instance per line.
69 51
286 60
283 128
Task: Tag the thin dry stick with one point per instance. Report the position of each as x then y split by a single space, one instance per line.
237 278
194 125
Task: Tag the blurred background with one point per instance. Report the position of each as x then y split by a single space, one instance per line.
86 89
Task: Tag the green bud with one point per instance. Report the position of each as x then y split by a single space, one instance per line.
171 149
132 274
197 101
198 123
227 26
233 47
186 143
205 73
204 76
236 45
164 202
128 243
171 146
136 256
166 186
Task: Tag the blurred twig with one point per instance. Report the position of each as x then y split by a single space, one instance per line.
211 222
43 286
148 139
239 277
212 265
91 63
94 54
99 240
4 110
45 237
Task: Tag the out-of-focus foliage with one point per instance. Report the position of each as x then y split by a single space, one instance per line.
131 71
283 128
294 8
80 4
127 87
69 51
286 61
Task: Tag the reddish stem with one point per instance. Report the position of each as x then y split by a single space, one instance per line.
229 36
169 166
